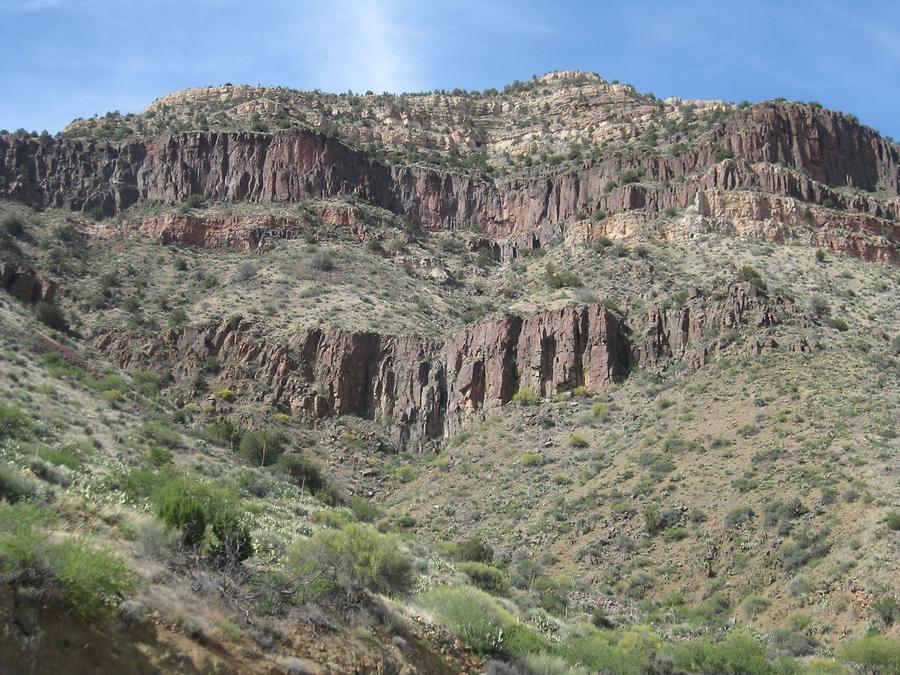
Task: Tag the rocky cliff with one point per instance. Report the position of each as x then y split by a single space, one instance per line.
428 390
796 152
25 284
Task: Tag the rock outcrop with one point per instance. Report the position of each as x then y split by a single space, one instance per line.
796 151
25 284
428 390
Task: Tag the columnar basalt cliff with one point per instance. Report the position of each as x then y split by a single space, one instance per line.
428 390
797 151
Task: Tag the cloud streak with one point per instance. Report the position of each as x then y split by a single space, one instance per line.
366 44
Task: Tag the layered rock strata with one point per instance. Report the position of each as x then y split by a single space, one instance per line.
428 390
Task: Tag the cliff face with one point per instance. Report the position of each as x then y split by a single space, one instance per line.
25 284
795 151
428 390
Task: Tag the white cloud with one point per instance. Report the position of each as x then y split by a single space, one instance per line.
366 44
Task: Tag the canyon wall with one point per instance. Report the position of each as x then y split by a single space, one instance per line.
428 390
799 151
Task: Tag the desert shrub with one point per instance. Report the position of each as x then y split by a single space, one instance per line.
602 244
751 275
262 447
187 514
892 520
225 394
607 652
245 272
195 201
363 510
806 546
739 516
51 315
333 518
162 433
754 605
159 456
156 539
487 577
223 433
820 306
14 486
600 411
525 397
578 441
90 576
350 561
323 261
474 549
657 520
887 609
561 278
231 541
14 423
873 654
23 546
837 324
532 459
738 653
472 615
14 226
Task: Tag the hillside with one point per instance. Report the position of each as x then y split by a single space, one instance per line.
558 378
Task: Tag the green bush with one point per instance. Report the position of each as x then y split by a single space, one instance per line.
892 520
14 226
159 456
820 306
474 549
187 514
23 544
261 448
301 471
363 510
887 609
91 576
51 315
607 652
349 561
472 615
195 201
14 486
525 397
578 441
873 654
14 423
88 576
561 278
748 273
162 433
486 577
231 542
737 654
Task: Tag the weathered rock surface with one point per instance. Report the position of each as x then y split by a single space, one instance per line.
25 284
428 390
793 151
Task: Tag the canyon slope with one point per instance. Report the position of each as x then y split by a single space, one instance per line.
616 376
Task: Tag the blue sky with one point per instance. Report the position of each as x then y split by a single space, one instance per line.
73 58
